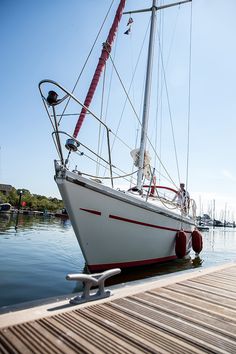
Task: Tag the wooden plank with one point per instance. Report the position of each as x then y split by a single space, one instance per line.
210 289
189 314
201 294
224 275
135 330
220 279
53 342
14 343
178 328
198 304
192 316
216 285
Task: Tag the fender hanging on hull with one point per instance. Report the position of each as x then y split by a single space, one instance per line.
180 244
197 241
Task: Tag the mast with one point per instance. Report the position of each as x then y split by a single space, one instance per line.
147 94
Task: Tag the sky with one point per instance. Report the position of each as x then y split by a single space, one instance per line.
51 39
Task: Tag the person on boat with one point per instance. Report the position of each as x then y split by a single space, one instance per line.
182 198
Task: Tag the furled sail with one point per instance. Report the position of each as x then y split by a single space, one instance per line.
146 163
101 63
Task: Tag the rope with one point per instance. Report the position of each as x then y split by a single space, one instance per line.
90 52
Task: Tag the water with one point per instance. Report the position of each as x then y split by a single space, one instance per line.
35 260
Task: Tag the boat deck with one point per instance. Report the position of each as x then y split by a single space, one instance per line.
185 313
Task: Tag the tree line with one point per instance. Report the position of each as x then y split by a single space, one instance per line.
31 201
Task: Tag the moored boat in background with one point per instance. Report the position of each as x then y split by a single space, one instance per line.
5 207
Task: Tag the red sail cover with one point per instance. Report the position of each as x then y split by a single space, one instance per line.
102 60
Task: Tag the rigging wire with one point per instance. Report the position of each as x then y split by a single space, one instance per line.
111 77
159 97
127 98
130 86
189 94
90 52
127 94
114 167
133 108
138 128
132 64
168 103
100 125
106 168
133 94
140 121
109 93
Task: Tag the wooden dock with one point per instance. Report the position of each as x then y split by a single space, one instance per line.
194 312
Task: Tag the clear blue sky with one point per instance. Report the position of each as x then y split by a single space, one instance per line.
51 39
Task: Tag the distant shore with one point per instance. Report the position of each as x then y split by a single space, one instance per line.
36 213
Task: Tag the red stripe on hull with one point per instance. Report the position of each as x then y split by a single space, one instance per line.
144 224
91 211
101 267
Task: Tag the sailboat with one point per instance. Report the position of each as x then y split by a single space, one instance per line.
116 227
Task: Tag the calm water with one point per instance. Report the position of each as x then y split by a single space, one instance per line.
35 260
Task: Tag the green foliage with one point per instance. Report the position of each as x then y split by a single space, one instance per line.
13 197
3 198
33 201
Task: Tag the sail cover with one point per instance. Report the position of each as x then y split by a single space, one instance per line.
146 163
101 63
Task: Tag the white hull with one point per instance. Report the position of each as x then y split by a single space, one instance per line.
118 229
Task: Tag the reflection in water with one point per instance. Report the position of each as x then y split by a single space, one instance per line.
148 271
35 260
5 221
197 262
26 222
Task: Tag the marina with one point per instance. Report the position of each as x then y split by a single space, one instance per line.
187 313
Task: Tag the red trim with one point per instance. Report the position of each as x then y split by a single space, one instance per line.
98 267
144 224
161 187
92 211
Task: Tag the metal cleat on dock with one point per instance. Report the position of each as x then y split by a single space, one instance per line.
90 280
